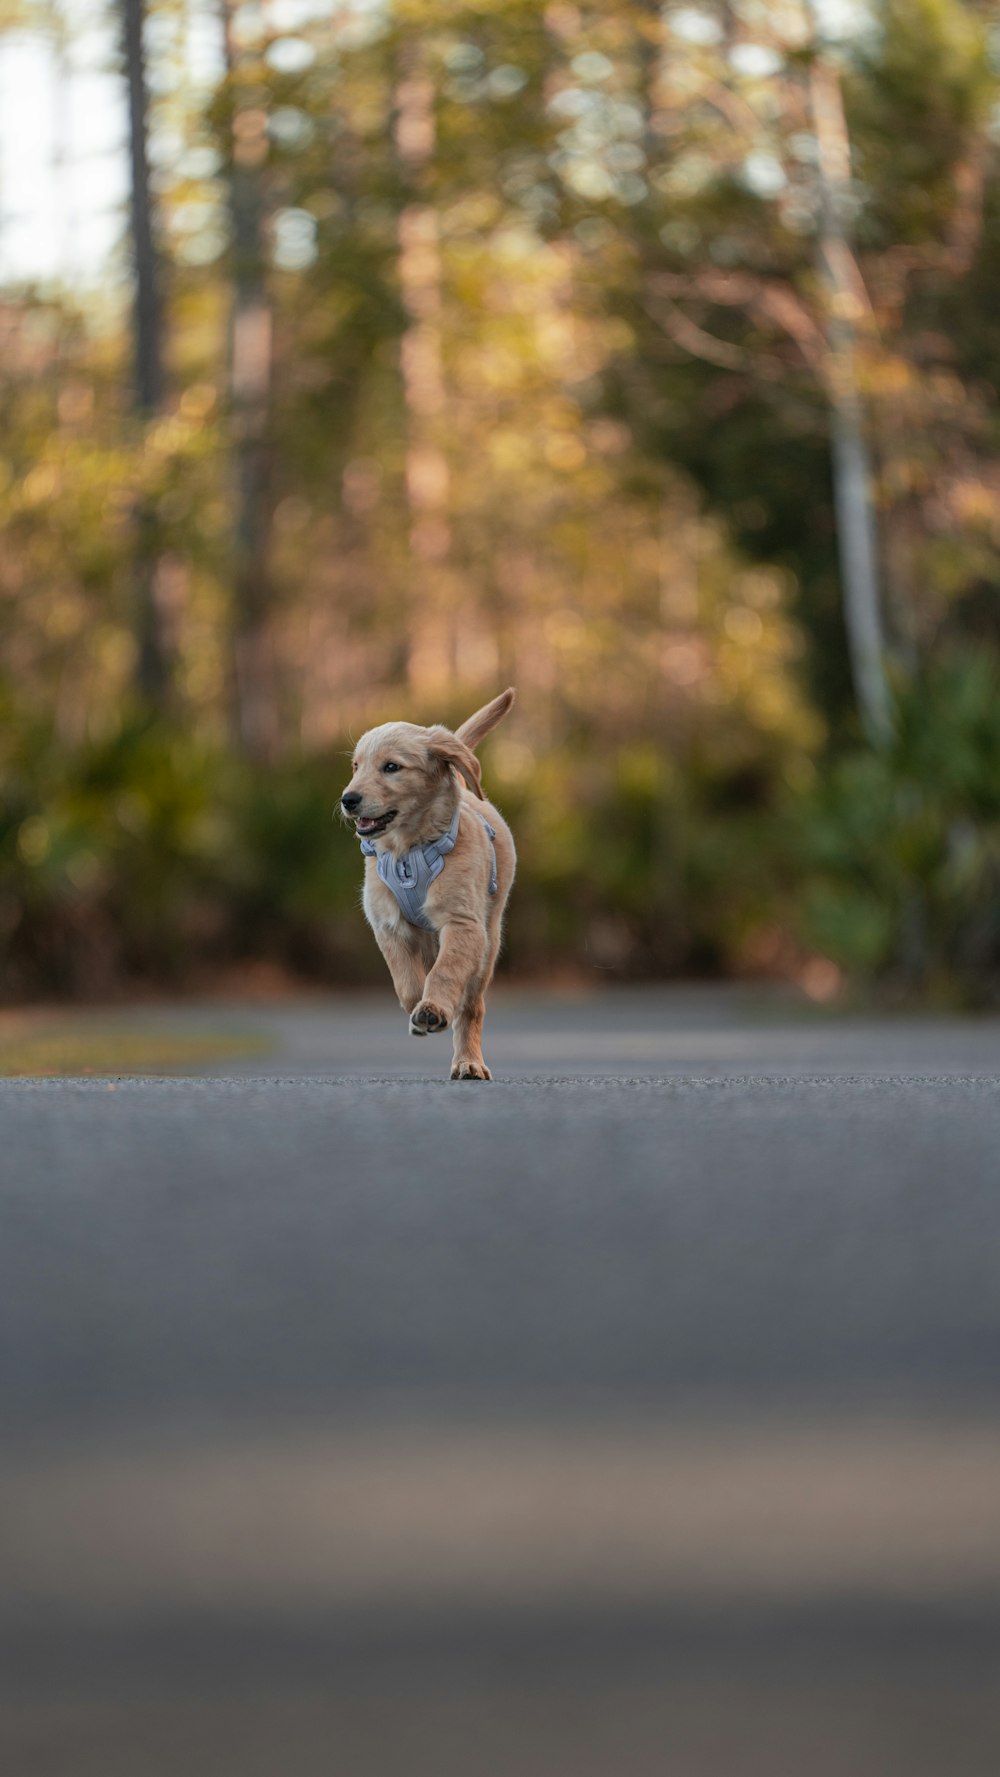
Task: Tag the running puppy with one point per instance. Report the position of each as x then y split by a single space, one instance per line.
439 865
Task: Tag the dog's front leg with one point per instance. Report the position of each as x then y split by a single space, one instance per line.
406 965
460 960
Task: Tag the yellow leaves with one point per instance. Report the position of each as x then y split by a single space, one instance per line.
498 368
512 761
34 841
642 770
565 630
753 663
889 375
40 485
117 652
844 305
133 811
564 453
609 437
555 336
75 403
509 451
474 214
763 589
167 436
948 390
743 626
517 244
976 504
197 402
66 617
617 335
293 513
685 661
84 871
687 175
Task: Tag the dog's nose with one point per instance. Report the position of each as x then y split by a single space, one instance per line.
349 801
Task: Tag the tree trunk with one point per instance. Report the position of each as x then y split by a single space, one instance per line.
254 676
850 456
431 651
149 620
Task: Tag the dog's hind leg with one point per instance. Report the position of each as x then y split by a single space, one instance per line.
467 1060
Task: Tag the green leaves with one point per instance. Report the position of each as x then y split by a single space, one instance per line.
900 853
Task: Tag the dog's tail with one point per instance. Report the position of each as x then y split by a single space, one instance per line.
472 731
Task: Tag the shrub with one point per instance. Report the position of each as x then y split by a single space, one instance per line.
900 852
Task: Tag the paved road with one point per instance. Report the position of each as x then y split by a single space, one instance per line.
636 1413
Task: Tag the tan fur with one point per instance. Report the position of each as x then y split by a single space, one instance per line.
440 976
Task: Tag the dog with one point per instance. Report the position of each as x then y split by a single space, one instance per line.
439 867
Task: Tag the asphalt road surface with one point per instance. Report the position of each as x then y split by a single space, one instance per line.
636 1413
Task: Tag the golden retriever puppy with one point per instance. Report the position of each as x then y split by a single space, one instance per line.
439 865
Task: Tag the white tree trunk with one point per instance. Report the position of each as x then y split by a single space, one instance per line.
857 539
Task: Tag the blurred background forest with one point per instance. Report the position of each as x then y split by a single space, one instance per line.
361 358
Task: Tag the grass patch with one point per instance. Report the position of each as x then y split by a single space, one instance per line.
73 1053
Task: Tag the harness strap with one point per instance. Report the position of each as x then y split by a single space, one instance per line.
410 876
491 833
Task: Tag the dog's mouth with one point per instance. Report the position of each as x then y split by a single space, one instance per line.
367 825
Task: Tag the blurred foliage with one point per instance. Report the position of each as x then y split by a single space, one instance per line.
543 398
152 855
900 852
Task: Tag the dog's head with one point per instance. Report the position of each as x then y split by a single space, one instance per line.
403 783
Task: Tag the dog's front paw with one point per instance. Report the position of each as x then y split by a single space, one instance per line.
426 1017
471 1070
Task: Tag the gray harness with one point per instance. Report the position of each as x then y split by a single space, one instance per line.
410 876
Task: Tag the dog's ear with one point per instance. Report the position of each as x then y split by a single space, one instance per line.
447 747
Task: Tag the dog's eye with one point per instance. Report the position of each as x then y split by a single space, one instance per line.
390 765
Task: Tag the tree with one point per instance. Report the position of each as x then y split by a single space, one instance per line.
793 296
151 628
431 654
853 478
250 370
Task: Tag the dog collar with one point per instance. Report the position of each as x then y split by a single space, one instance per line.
410 876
